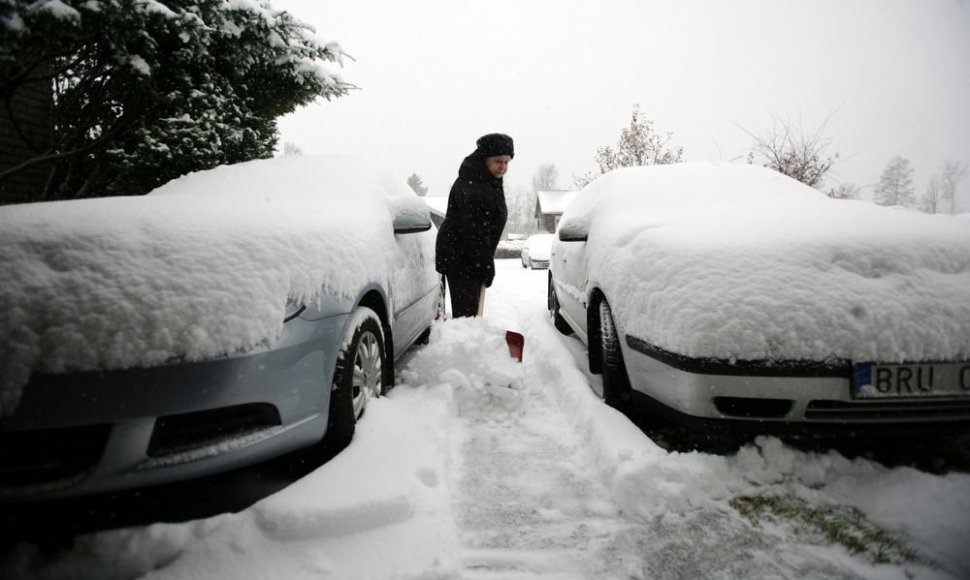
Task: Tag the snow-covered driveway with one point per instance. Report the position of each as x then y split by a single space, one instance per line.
477 467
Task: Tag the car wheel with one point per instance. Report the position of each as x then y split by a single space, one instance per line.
616 382
439 307
359 375
553 304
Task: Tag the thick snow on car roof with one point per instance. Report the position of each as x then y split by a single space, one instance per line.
200 267
740 262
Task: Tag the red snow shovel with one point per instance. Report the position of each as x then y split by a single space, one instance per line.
514 340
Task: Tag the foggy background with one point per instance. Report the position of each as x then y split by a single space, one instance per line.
885 77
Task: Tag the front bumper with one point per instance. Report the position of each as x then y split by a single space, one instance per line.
92 432
804 393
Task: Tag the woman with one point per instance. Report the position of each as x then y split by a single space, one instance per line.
473 224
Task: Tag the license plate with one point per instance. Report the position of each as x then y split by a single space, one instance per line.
881 381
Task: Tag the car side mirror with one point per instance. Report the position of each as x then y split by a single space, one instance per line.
572 234
410 223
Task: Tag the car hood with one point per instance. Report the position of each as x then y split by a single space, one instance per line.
199 268
780 272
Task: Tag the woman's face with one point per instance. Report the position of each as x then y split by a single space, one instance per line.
497 165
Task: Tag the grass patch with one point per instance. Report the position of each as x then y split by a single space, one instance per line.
842 525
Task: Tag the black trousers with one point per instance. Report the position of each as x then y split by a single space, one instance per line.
464 297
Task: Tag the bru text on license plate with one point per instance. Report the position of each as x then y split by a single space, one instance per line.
871 380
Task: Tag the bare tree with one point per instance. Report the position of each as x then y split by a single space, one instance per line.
290 148
521 204
895 186
545 178
639 144
581 181
932 199
415 183
950 177
793 152
845 190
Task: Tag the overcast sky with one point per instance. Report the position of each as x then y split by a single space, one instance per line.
562 76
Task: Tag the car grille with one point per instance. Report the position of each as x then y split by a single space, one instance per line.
174 434
887 411
753 408
50 456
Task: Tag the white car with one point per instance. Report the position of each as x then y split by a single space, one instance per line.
731 294
537 250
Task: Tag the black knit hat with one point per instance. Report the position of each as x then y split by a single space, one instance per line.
495 144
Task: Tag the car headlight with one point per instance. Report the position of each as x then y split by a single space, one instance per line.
293 309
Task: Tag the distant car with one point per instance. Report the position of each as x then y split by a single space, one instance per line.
231 316
535 254
731 295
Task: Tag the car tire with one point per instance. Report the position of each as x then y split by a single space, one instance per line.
616 382
553 304
358 376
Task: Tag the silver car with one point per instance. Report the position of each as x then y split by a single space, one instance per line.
732 295
79 430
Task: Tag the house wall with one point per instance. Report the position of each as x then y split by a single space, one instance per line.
549 221
26 135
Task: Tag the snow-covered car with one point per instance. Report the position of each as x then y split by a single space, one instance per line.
731 295
535 254
230 316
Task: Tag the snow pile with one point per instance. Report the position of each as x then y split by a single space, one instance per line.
740 262
201 267
380 509
648 482
471 355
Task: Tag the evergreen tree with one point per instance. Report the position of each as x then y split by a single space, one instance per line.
146 91
895 186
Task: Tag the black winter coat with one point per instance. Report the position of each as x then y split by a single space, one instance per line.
473 225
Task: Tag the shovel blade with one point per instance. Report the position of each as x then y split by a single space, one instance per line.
516 344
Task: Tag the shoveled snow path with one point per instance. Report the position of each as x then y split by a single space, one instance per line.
526 500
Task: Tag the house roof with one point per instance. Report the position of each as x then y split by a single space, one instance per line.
554 202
